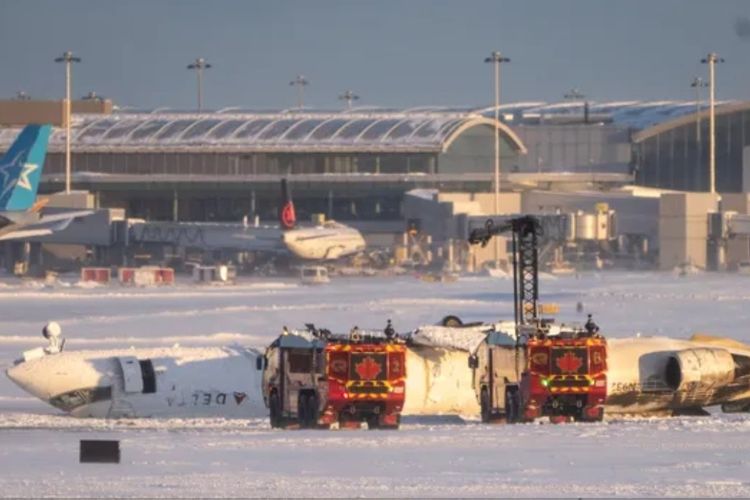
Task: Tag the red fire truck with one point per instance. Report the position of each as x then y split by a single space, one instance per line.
562 375
564 378
321 380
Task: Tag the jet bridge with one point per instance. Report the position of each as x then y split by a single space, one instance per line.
723 227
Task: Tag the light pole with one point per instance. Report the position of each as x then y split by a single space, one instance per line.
199 65
92 96
496 58
576 95
711 59
698 84
300 82
68 58
348 96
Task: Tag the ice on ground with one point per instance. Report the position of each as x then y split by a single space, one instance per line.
436 456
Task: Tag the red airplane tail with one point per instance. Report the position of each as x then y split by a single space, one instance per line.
287 216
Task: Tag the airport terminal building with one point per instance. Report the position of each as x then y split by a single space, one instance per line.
222 166
355 165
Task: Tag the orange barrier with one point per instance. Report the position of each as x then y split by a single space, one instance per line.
145 276
95 274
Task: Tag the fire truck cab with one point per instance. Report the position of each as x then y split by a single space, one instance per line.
324 380
293 380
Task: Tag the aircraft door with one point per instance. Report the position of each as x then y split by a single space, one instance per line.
132 379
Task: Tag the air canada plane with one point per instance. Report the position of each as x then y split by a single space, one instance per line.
20 172
328 241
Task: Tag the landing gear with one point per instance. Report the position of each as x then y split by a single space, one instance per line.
452 321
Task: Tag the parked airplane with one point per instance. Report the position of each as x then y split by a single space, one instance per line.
20 171
646 376
329 241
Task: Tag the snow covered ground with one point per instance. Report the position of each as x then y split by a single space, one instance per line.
440 456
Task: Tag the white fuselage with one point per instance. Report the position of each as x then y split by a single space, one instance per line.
188 382
329 241
226 382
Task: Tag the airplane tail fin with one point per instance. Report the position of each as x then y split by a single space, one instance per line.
21 168
287 216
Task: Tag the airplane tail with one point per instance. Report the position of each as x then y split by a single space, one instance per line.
21 168
287 216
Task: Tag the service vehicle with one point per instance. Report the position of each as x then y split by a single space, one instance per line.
315 379
538 368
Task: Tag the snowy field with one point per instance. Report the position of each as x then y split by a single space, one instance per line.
440 456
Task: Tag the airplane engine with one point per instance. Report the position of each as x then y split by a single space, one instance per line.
699 369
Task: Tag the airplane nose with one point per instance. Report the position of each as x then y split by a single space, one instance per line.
57 374
31 379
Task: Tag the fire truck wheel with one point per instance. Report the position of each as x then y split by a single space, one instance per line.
451 321
373 422
302 417
484 404
274 406
512 405
312 410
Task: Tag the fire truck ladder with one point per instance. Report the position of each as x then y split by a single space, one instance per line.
525 231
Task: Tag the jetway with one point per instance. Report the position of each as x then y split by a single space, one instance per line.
203 235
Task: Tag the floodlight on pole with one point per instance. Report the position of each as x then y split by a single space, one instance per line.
92 96
711 59
199 65
300 82
576 95
496 58
68 58
348 96
698 84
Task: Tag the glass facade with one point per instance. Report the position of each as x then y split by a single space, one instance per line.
222 164
223 167
678 158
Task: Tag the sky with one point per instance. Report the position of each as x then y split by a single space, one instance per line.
391 53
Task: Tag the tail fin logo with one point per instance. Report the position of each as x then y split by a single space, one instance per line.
21 168
288 217
16 174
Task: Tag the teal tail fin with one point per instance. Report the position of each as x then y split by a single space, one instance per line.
21 168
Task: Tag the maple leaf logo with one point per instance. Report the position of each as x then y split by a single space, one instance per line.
569 363
368 368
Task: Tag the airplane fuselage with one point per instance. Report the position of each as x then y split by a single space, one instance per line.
330 241
645 375
188 382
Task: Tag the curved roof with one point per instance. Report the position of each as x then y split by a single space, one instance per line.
637 115
417 130
721 109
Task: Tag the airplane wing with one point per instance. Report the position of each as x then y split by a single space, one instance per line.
63 216
25 233
44 226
